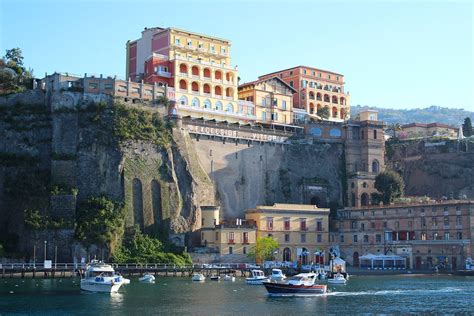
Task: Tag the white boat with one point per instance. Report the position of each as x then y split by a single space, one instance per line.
337 279
300 284
147 278
228 277
257 278
277 275
198 277
101 277
125 281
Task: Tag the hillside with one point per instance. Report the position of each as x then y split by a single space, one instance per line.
430 114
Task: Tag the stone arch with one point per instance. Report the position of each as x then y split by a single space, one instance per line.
183 68
183 85
195 71
195 86
207 73
137 200
287 254
195 102
156 201
364 199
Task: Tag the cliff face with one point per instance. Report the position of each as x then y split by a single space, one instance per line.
58 150
437 168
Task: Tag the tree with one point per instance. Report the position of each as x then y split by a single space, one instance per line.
264 249
390 185
323 112
467 127
13 76
14 55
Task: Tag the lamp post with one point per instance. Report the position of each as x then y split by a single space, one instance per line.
45 242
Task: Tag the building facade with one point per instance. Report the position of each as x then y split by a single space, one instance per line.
197 66
426 233
422 130
365 156
273 100
316 89
301 230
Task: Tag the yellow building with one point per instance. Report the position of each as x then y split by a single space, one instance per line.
273 99
422 130
300 229
197 66
233 237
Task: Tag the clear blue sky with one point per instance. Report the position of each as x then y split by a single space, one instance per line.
399 54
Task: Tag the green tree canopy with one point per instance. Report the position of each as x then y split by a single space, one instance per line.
467 127
14 77
323 112
264 249
390 185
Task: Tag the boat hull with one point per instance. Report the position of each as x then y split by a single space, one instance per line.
331 281
287 289
100 287
255 281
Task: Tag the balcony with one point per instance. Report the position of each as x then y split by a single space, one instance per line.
231 242
201 62
217 112
163 73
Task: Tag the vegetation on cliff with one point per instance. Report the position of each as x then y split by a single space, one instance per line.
390 185
467 127
14 77
143 249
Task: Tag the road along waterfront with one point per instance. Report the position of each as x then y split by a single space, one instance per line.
362 294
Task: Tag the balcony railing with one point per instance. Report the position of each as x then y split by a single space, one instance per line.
201 62
215 112
164 73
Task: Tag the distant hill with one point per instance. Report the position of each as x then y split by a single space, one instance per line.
454 117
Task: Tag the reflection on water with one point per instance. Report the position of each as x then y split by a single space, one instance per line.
389 294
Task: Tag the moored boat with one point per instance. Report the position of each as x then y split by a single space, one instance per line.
228 277
101 277
277 275
300 284
198 277
337 278
215 278
257 277
147 278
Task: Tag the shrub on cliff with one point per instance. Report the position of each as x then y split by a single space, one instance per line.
390 185
143 249
14 77
136 124
100 221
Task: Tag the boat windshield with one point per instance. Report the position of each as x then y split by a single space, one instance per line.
101 273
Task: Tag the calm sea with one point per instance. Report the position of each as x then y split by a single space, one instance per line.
181 296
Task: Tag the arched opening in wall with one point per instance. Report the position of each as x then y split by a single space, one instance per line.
311 108
353 199
355 259
375 134
229 77
304 256
195 86
375 166
334 99
342 101
183 84
195 71
183 68
137 200
318 107
364 199
318 97
286 254
218 90
218 75
207 88
311 95
156 201
207 73
343 114
229 92
326 98
334 112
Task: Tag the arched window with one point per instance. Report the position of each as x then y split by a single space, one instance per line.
218 90
343 114
229 77
315 131
183 100
183 69
364 199
304 256
318 96
195 102
334 99
229 92
375 166
311 95
195 86
375 134
342 100
218 75
207 88
335 132
207 104
207 73
219 106
334 112
229 108
326 98
137 200
195 71
183 85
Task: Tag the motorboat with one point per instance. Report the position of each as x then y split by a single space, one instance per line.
228 277
257 277
198 277
277 275
147 278
300 284
215 277
101 277
337 279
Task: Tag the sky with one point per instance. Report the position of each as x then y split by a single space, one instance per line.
395 54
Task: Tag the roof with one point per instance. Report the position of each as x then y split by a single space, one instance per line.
267 79
434 124
302 66
199 34
280 207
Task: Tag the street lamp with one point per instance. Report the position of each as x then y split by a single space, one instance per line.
45 242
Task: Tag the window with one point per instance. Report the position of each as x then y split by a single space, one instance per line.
366 239
202 222
458 221
341 238
354 238
213 49
397 224
446 221
362 226
313 73
423 222
434 222
410 224
329 76
319 226
303 238
244 250
446 236
230 250
269 223
177 41
320 75
459 235
315 131
303 224
93 85
423 236
264 116
245 237
337 78
287 237
384 224
354 225
190 43
223 50
230 238
283 104
291 83
217 235
372 225
375 134
108 86
378 238
291 72
304 71
335 132
286 222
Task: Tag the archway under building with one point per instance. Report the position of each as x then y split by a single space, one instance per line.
355 259
286 254
364 199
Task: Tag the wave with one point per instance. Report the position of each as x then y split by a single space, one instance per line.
397 292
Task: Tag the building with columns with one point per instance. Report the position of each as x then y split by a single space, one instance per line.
315 89
197 66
